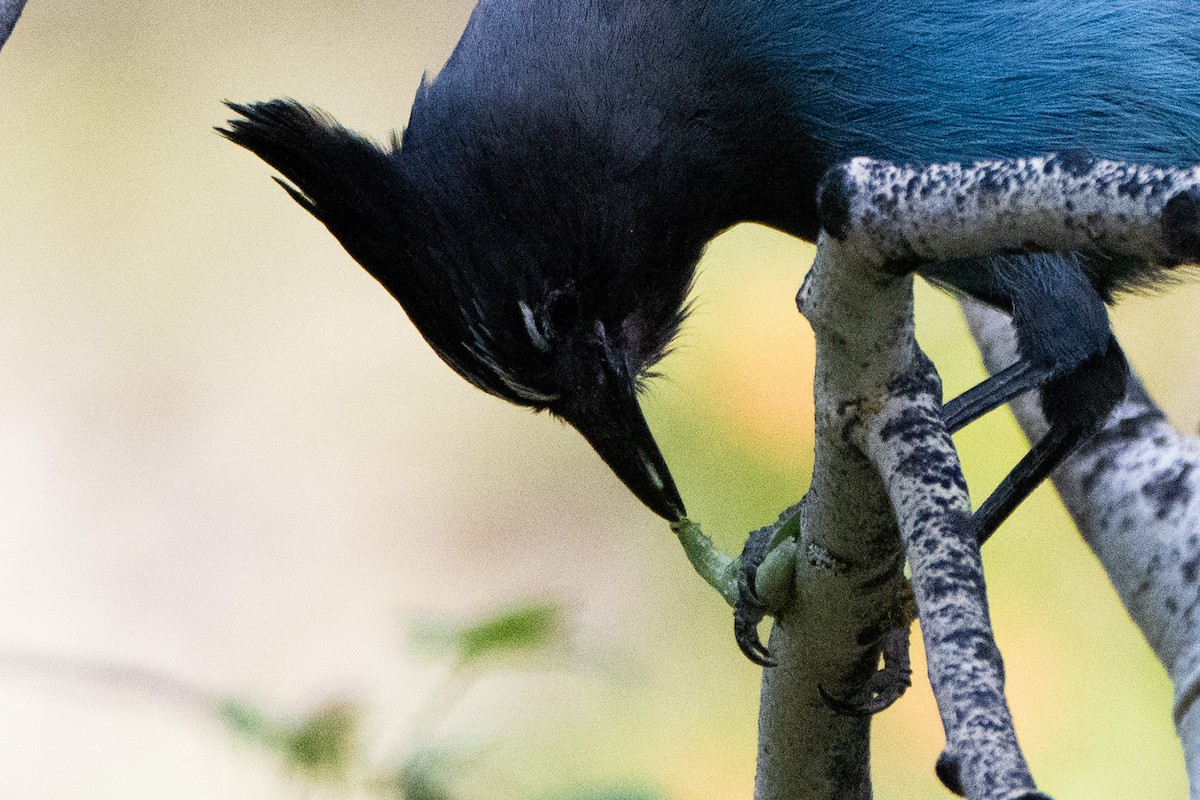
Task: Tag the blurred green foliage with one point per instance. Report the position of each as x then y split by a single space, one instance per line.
320 746
517 631
328 746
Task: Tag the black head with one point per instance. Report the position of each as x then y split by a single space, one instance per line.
551 281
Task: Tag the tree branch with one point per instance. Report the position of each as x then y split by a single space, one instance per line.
848 577
878 415
882 448
1134 493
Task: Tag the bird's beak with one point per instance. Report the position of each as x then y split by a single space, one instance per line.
611 420
620 435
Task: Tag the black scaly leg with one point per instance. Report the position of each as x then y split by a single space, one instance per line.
1076 405
1064 347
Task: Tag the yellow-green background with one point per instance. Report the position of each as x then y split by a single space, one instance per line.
227 458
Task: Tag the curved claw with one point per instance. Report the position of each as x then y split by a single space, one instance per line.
867 704
749 610
883 688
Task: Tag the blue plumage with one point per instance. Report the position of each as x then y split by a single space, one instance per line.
541 218
930 80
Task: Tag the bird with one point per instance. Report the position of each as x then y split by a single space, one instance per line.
541 216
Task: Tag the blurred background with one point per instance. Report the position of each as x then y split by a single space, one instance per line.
232 472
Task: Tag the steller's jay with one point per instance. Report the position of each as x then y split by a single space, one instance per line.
541 218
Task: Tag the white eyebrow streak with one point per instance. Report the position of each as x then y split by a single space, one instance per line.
535 335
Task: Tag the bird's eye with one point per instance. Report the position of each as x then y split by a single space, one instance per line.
563 312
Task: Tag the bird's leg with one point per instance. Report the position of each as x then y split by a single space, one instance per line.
1026 476
1076 404
994 392
1055 210
1066 349
1076 399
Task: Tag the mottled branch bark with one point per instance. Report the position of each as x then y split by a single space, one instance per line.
1134 493
849 561
883 453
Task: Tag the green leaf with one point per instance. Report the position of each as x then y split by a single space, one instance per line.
326 742
320 745
776 574
721 571
519 630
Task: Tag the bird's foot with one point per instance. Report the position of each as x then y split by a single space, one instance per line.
749 610
883 688
765 572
